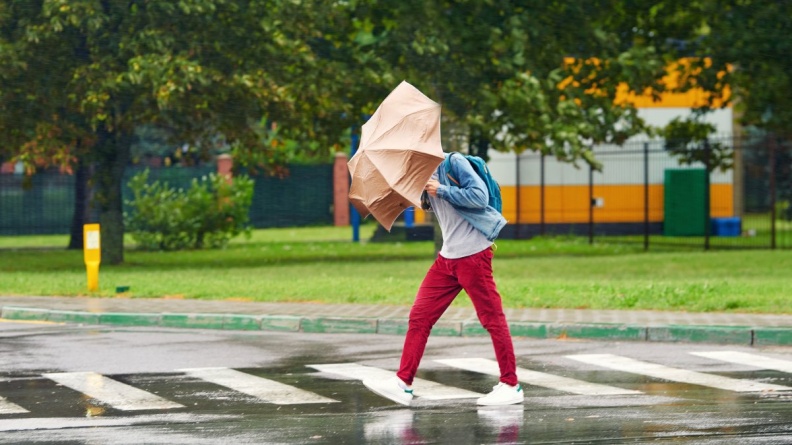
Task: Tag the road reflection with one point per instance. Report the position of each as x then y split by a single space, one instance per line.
500 425
395 427
505 421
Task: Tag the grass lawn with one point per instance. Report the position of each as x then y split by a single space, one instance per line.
323 265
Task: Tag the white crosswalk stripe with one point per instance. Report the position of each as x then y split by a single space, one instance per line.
264 389
7 407
421 388
625 364
111 392
536 378
744 358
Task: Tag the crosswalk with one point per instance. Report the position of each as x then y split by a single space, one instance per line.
113 393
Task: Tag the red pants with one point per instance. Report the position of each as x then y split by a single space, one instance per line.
445 279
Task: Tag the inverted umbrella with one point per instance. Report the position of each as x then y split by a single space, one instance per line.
399 150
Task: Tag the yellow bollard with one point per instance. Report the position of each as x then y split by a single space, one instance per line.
93 254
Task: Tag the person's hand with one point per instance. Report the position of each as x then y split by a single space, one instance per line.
432 186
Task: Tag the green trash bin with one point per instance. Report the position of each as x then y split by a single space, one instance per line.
685 200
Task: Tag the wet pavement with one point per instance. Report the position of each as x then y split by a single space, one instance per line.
94 384
445 425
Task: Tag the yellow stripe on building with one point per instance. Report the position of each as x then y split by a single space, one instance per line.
622 203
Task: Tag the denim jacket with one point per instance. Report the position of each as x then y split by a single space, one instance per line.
470 198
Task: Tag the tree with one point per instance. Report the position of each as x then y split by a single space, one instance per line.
736 53
744 47
81 75
515 76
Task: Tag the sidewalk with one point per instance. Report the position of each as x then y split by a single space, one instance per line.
722 328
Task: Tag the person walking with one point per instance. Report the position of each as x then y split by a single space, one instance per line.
469 227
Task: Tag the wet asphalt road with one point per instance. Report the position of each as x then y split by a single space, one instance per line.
36 408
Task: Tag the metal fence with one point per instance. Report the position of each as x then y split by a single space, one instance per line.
44 203
644 194
40 204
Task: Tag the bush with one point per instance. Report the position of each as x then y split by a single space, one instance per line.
208 214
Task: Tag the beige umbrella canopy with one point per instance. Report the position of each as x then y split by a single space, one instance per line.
399 150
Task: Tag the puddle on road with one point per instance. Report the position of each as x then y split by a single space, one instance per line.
458 424
212 413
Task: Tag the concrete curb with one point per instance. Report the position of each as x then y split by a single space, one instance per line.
734 335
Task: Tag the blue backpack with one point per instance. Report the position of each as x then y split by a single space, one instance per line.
481 169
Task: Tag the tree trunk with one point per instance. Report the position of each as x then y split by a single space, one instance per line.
113 150
82 207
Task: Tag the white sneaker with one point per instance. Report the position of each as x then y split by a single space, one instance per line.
503 394
392 388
